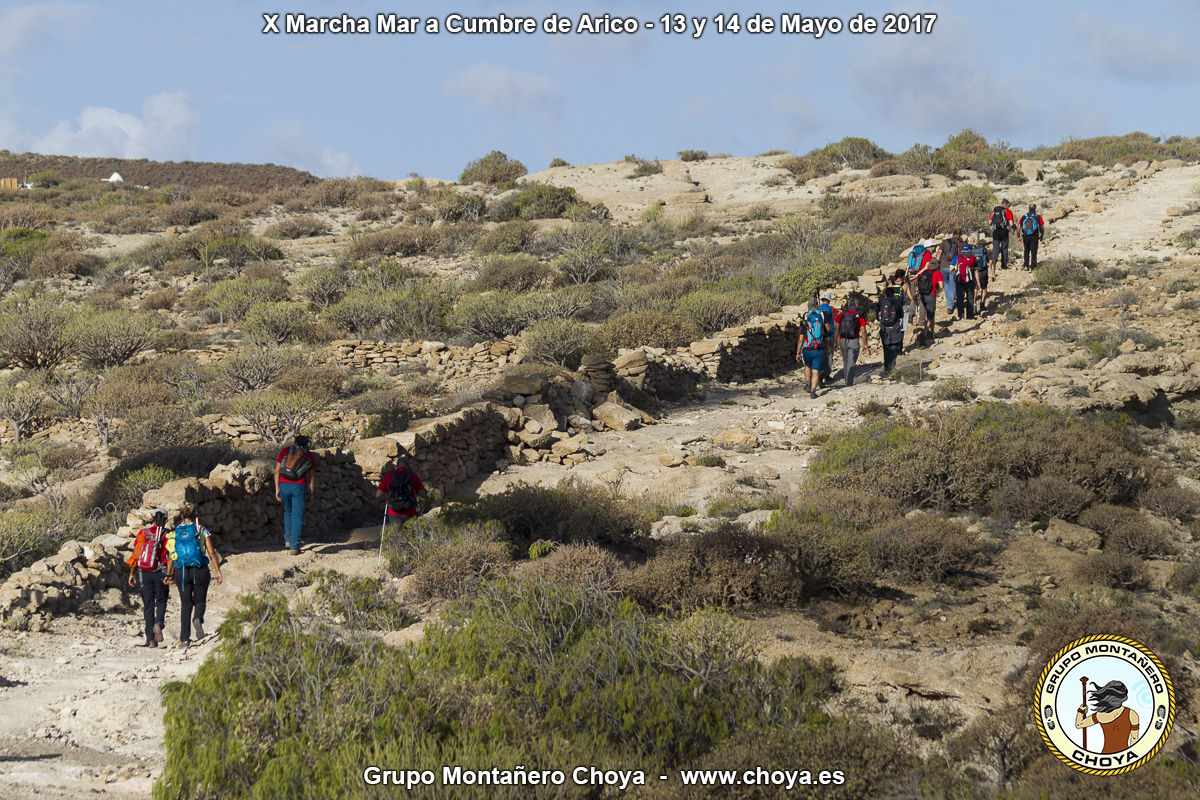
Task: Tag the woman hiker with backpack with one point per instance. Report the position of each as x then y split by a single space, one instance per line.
148 562
191 550
851 325
1033 231
294 478
891 327
810 350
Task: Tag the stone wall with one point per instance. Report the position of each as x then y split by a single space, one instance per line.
445 361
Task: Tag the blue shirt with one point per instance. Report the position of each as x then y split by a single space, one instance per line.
827 314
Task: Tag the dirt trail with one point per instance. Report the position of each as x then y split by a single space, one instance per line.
80 712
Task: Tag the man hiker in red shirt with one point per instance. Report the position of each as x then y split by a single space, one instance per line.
1001 222
294 479
401 486
851 325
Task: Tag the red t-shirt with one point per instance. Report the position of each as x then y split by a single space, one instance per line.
386 484
311 461
926 257
936 276
837 321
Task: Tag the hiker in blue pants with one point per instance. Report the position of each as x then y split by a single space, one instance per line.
191 552
946 254
294 479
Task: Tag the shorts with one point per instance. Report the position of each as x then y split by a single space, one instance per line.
981 275
930 302
814 359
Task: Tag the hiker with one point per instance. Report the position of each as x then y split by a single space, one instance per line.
902 291
810 350
1001 222
148 562
946 255
191 550
826 308
1033 231
850 325
918 258
964 281
890 314
928 281
401 486
983 265
294 477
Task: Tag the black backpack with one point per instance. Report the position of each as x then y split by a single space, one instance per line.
999 220
848 325
401 496
925 282
295 464
890 311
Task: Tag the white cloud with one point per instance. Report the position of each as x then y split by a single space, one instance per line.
505 89
25 29
1134 53
164 131
286 142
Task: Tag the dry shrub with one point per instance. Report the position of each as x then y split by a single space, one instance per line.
1165 778
457 569
188 213
507 237
814 165
1171 500
923 548
642 329
320 380
1124 530
824 557
32 216
859 510
1113 568
403 240
886 167
1042 497
556 341
495 168
516 273
160 300
912 219
725 567
579 565
299 227
157 427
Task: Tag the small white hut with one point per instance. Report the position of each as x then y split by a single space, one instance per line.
114 178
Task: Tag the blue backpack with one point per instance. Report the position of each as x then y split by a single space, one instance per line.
189 546
814 338
1029 224
914 258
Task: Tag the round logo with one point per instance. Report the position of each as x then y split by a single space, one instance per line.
1105 705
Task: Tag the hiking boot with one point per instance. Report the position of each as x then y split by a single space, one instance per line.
295 551
157 634
198 627
151 643
185 643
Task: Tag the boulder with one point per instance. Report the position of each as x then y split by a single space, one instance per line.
617 416
1030 169
541 414
735 437
569 446
1073 537
524 384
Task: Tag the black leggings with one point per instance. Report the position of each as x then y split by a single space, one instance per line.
154 599
193 594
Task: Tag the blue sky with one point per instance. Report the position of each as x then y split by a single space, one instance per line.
175 81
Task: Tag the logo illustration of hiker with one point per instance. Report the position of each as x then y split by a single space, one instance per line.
1121 721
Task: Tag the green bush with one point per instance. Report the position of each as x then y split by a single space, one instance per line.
954 389
569 512
359 603
1067 274
857 510
816 164
693 155
528 673
111 338
274 323
507 237
558 162
535 201
642 167
135 483
980 449
556 341
723 567
855 153
35 329
494 169
642 329
454 207
417 309
710 310
234 298
797 285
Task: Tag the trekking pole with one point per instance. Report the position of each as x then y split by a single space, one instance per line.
382 534
1083 681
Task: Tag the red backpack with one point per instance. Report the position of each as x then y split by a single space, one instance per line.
150 557
966 262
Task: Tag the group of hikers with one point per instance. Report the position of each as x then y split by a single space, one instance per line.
959 269
184 555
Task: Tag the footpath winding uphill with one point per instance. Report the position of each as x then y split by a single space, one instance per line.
80 710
